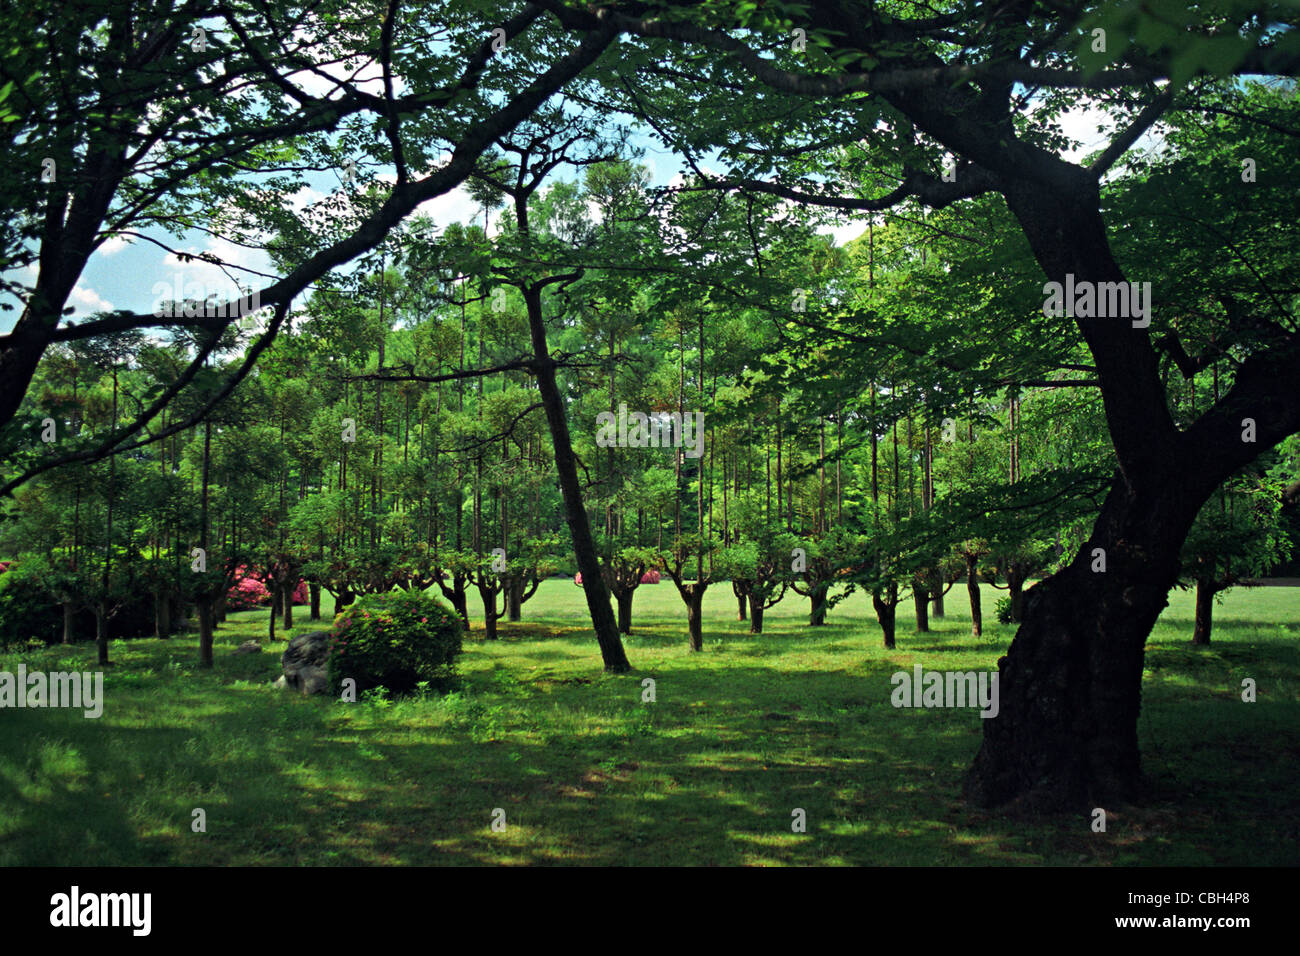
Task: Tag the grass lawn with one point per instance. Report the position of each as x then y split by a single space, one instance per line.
739 737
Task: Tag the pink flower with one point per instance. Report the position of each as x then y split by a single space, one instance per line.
424 620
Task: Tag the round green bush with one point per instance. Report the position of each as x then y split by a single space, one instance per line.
396 640
1004 610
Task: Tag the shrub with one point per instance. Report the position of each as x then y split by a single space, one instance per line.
1004 610
395 640
248 592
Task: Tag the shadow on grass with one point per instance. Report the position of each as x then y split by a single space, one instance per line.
586 772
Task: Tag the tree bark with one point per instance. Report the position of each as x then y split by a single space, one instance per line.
973 589
490 615
206 615
817 610
756 614
101 633
69 622
162 616
341 601
741 607
313 592
624 600
1016 590
460 602
695 615
1205 592
886 613
593 582
921 600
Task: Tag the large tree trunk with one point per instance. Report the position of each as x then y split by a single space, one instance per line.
288 605
584 548
756 614
742 603
973 589
1204 611
313 592
1065 736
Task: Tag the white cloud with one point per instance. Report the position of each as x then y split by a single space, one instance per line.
113 245
88 300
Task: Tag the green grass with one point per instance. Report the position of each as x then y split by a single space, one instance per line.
739 736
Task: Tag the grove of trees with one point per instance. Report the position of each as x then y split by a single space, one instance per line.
419 403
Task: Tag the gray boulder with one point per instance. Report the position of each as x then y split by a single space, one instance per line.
248 647
304 663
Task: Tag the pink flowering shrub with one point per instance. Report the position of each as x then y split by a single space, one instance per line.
248 592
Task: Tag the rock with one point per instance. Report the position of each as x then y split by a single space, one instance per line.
249 647
304 662
280 683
